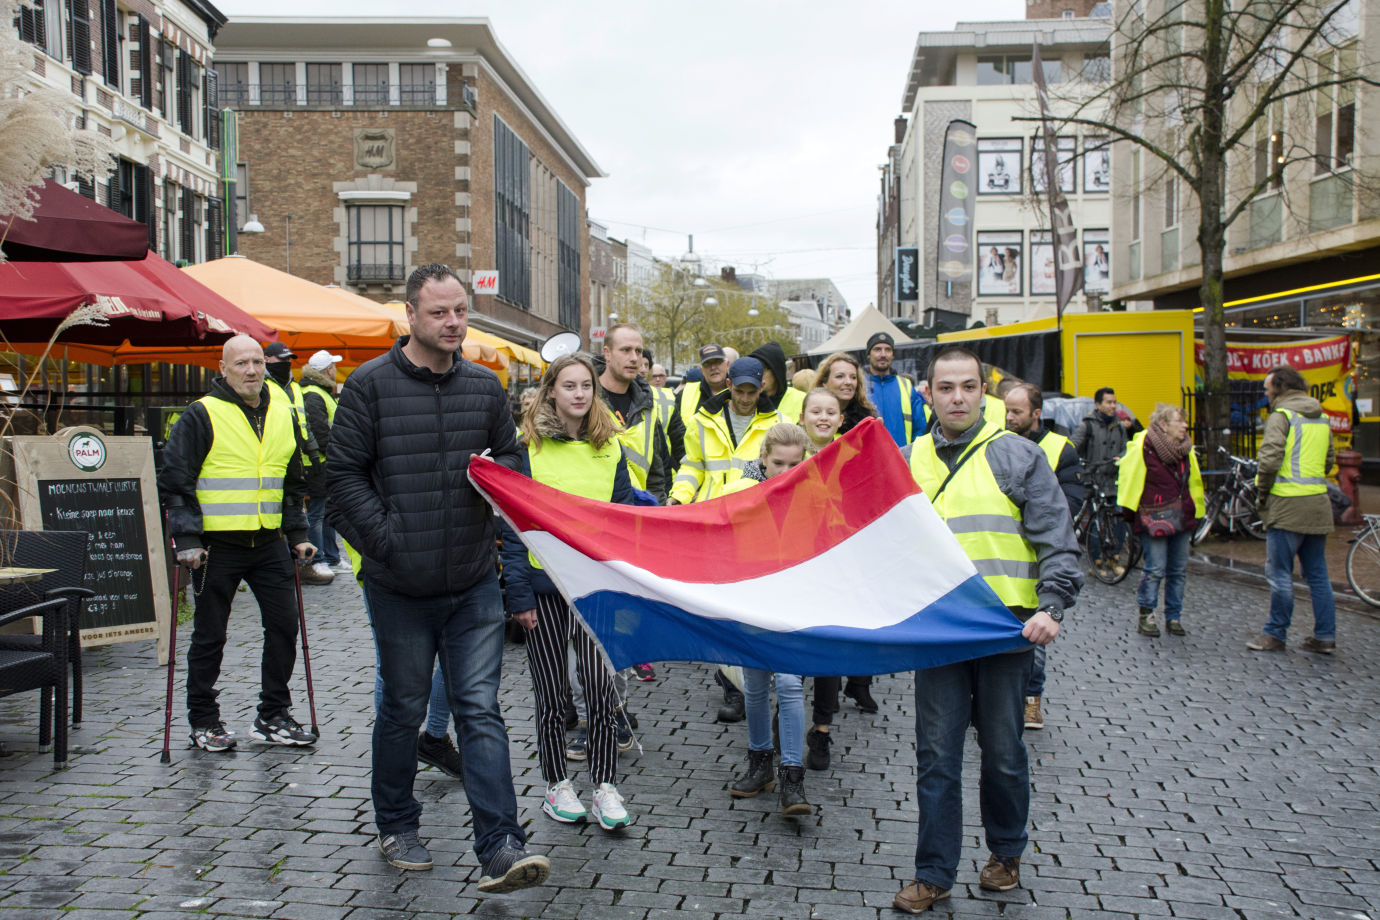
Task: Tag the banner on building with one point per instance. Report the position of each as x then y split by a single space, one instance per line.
956 190
1068 261
1326 364
907 273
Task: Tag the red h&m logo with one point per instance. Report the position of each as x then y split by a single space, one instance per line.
486 282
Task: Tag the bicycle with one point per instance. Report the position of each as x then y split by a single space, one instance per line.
1099 524
1363 561
1233 504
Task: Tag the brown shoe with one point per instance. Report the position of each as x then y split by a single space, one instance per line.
1264 643
918 897
1321 646
1002 873
1033 718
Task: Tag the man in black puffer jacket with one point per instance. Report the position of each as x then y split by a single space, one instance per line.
407 426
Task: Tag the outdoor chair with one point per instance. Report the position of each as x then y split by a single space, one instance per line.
43 669
65 551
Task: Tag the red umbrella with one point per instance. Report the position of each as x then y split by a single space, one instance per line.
148 302
69 227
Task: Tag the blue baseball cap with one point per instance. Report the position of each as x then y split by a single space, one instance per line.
746 370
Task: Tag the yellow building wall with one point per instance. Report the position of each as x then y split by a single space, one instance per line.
1146 356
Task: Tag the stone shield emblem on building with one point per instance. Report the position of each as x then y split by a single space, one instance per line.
374 148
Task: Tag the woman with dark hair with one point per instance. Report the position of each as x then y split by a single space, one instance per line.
569 442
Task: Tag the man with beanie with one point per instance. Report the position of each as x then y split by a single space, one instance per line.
776 385
903 409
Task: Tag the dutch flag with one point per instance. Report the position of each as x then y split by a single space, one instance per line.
839 566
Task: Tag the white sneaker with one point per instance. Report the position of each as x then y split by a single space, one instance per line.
323 571
608 808
343 567
562 804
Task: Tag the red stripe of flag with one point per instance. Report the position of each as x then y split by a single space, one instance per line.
813 507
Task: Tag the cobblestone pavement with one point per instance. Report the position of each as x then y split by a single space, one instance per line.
1175 778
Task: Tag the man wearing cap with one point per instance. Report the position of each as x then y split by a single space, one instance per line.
318 396
903 409
725 434
714 366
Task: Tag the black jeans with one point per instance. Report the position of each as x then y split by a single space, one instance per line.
268 570
826 701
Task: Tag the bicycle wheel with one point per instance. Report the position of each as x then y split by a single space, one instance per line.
1214 507
1363 566
1245 516
1114 549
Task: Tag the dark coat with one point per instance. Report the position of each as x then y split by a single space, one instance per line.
396 471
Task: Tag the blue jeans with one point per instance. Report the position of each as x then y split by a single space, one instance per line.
790 701
437 709
319 533
1036 685
1281 546
1166 560
466 631
987 692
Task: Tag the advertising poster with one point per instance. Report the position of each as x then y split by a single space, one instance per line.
1097 261
1066 148
1041 262
999 166
1000 254
1097 164
1326 365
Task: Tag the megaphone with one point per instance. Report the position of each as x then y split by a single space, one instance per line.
562 343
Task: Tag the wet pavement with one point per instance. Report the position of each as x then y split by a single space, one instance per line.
1175 777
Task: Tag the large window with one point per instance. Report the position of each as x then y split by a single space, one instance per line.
278 84
512 215
167 78
371 84
996 70
110 43
241 195
568 222
999 165
323 84
375 245
1335 129
130 192
417 84
1269 147
234 83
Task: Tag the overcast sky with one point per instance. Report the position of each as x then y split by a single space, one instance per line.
756 125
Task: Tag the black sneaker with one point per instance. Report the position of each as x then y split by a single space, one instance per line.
817 753
214 738
862 695
281 729
512 868
623 731
404 850
441 753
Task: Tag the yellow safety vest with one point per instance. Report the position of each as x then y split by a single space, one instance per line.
791 404
986 522
689 404
665 401
639 446
1130 477
994 410
1304 471
295 401
326 396
576 468
1053 446
711 459
906 388
240 485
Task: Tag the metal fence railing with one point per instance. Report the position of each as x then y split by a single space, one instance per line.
1245 400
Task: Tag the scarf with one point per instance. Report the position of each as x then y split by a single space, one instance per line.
1171 453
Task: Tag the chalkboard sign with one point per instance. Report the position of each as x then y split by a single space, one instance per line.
83 479
117 565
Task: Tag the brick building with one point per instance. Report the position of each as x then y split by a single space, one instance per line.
137 72
368 147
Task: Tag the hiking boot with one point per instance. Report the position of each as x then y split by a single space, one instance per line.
1320 646
735 707
608 808
512 868
758 778
1264 643
578 748
1002 873
817 749
281 729
862 695
1175 628
1146 626
404 850
792 784
317 574
918 897
563 804
1033 717
214 738
441 753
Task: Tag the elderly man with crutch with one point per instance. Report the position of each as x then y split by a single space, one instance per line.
233 486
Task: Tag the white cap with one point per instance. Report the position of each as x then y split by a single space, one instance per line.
323 359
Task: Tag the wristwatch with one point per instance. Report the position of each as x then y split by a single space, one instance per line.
1055 613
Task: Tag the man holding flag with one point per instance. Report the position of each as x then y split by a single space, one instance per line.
1002 502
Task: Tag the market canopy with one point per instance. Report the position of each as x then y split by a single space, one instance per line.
67 227
854 336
